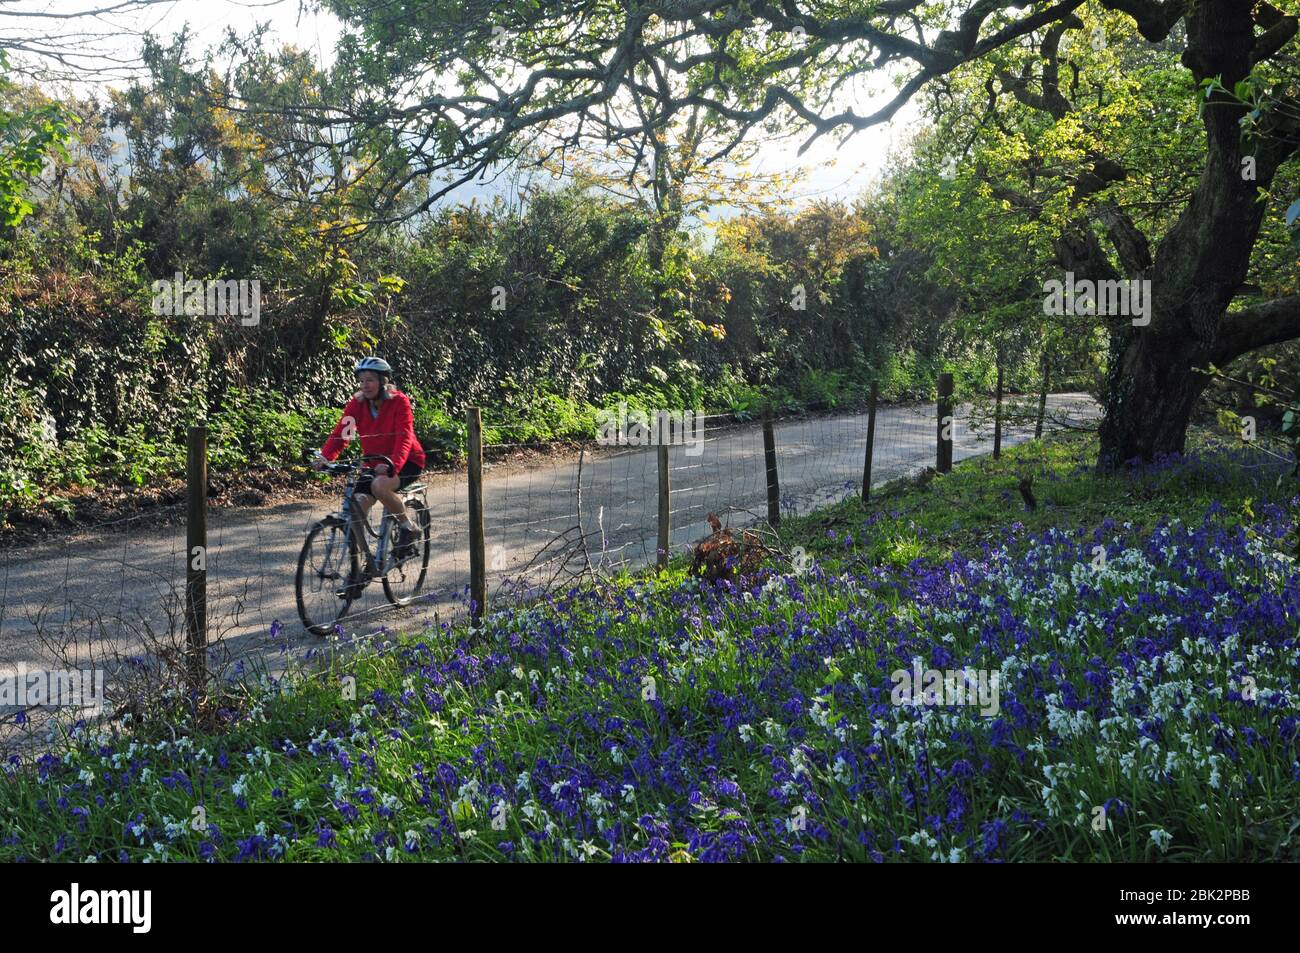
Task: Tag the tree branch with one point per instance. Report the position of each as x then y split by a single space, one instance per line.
1270 322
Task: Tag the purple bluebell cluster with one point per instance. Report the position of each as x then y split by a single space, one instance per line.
1146 709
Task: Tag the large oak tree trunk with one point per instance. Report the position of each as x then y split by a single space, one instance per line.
1198 267
1150 394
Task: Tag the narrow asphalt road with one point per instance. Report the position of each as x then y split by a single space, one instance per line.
103 593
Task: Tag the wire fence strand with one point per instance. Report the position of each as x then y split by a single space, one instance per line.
548 522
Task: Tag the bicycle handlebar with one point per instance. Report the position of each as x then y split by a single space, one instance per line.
337 468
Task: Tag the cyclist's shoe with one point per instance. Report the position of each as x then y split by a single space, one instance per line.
406 539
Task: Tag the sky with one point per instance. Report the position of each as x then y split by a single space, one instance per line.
833 171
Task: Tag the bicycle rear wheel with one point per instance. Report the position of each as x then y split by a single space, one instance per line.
327 578
405 578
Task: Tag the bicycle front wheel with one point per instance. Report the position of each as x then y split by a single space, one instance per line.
405 577
328 574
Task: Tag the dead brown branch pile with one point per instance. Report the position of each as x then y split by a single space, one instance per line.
722 556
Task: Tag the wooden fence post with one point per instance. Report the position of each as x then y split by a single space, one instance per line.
477 540
196 550
871 442
769 457
1042 400
943 459
997 412
665 518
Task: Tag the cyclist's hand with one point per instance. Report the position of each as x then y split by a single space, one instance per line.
318 462
381 469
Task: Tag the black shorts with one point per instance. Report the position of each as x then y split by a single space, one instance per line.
410 470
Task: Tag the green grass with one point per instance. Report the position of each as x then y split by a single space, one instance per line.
976 503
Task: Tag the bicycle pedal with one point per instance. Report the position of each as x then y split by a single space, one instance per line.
351 591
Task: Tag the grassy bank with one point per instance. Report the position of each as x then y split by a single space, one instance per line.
1140 628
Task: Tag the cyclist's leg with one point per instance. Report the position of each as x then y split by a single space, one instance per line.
361 505
409 473
385 490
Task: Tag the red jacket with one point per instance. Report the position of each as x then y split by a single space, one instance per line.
392 433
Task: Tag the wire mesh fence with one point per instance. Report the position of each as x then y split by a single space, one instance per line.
114 597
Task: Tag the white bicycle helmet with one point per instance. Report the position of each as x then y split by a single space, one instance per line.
376 364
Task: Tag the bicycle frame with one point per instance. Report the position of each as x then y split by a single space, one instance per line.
359 526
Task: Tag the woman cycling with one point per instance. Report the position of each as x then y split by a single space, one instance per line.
380 415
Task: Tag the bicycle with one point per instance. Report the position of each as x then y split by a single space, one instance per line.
336 563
